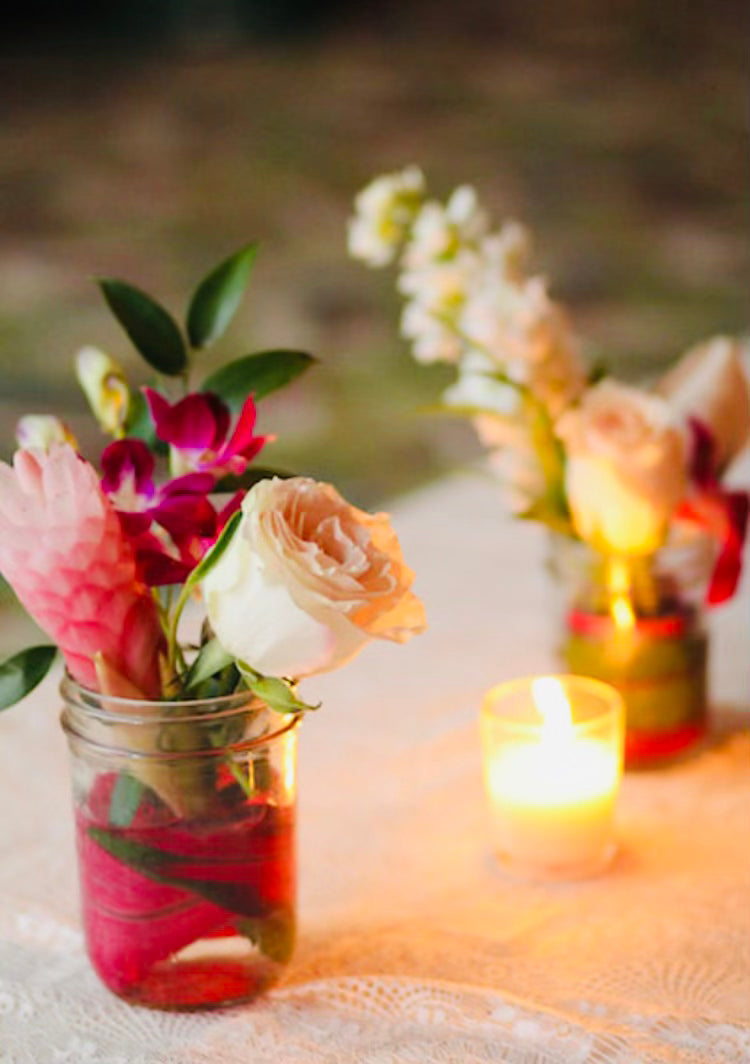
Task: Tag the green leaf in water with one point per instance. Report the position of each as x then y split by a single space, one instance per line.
125 799
174 870
273 935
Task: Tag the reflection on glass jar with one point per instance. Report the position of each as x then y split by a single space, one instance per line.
185 826
638 623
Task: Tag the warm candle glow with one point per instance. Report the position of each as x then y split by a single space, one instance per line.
552 770
622 613
553 707
620 605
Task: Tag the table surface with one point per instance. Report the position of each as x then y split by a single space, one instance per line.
414 946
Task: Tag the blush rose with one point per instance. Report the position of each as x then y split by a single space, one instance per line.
626 467
307 580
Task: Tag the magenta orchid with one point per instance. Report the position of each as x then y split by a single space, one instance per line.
721 511
197 430
186 521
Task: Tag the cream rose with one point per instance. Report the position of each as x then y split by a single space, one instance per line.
307 580
625 470
710 384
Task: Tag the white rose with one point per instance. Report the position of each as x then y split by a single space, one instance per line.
710 384
625 470
307 580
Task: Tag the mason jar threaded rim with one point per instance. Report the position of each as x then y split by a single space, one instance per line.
94 707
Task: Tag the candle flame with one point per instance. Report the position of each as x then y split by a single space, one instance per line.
622 613
553 706
620 606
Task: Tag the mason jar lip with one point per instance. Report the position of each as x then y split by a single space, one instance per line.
90 702
611 703
109 750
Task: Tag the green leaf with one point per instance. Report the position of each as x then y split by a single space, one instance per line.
548 513
206 563
251 477
20 674
138 423
151 328
212 658
217 297
125 799
260 373
278 694
211 557
174 870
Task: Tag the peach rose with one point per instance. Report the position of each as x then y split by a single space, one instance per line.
625 470
307 580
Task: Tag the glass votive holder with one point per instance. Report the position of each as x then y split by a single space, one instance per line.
552 755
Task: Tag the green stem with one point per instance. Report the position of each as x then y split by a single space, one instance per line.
174 651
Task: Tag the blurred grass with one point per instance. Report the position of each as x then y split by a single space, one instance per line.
616 132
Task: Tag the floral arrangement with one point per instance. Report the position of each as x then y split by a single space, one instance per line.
620 467
184 796
292 579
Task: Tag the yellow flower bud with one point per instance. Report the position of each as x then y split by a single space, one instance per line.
104 384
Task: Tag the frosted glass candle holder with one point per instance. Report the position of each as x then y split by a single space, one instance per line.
552 751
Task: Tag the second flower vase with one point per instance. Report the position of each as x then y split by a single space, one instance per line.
638 623
185 826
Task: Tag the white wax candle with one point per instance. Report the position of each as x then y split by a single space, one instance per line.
552 783
552 803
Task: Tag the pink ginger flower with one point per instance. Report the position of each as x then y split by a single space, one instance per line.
64 553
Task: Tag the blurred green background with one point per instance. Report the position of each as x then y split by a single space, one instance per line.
148 140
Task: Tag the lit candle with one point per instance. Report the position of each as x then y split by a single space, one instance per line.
552 755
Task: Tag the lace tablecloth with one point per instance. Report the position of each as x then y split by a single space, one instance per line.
414 946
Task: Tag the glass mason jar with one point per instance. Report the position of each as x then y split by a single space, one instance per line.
185 830
638 623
